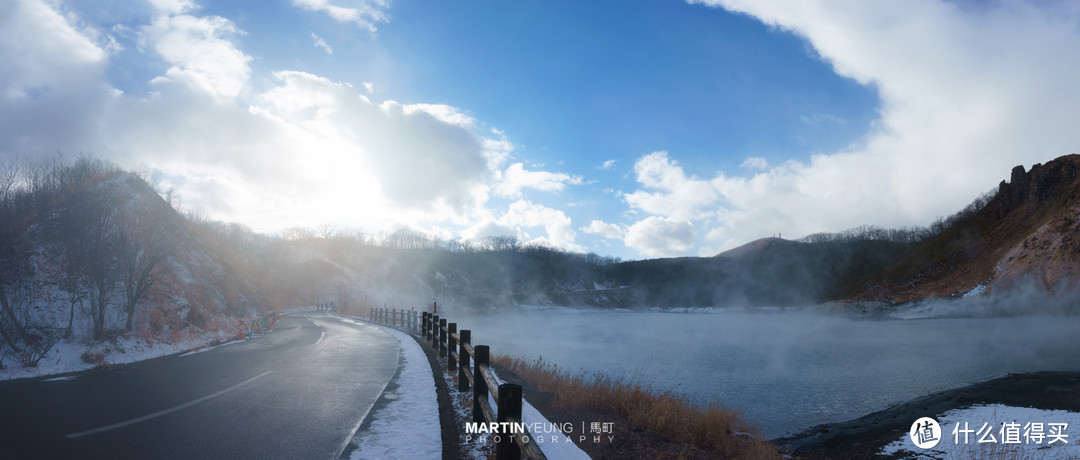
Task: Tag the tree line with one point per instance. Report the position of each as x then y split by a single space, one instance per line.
71 225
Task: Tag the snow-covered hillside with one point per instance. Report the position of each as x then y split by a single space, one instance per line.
96 268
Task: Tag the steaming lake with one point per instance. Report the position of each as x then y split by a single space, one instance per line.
786 371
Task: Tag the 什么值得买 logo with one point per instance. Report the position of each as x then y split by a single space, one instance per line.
925 433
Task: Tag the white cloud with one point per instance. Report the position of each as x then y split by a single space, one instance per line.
608 164
173 6
560 232
604 229
363 13
443 112
489 228
516 178
51 80
676 195
755 163
521 219
967 92
320 43
661 237
821 118
201 52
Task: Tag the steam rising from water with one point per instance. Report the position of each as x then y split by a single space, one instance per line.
790 370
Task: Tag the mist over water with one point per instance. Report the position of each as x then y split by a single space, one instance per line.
785 371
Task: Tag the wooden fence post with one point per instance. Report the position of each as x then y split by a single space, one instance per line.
442 337
509 407
451 347
466 338
480 389
434 331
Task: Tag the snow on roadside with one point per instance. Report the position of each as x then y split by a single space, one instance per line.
554 444
994 446
393 430
408 426
66 356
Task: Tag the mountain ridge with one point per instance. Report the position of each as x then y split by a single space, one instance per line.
1028 231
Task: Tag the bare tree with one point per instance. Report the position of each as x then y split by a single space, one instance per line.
75 194
141 253
72 266
327 231
94 247
502 243
15 268
299 233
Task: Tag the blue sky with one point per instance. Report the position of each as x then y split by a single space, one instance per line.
635 129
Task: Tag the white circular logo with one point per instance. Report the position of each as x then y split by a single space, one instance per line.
925 433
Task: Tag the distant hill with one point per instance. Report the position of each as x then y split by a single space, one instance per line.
1027 231
769 271
758 246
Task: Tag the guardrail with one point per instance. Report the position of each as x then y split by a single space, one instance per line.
406 319
473 370
258 326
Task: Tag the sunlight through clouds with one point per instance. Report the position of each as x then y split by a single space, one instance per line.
303 150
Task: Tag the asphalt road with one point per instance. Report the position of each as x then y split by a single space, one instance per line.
300 391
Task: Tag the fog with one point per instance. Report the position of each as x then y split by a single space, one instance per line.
790 369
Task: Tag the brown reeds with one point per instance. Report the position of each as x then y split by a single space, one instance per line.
714 429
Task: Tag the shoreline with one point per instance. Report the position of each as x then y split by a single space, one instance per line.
865 436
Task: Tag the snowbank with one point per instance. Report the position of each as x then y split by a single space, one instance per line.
408 426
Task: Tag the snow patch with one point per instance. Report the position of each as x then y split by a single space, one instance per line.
976 291
408 426
66 356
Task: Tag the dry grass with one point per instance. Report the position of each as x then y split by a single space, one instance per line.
714 429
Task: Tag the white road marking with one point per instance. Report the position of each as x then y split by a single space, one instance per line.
321 335
317 323
164 412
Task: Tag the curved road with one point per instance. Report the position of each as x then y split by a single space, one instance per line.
300 391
